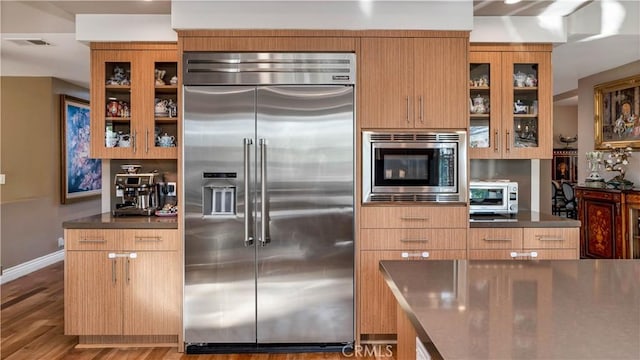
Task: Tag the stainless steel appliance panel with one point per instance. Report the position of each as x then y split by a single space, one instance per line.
219 262
305 250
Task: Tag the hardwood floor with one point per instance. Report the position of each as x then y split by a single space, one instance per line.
32 328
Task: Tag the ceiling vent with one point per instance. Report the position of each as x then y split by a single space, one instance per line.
23 42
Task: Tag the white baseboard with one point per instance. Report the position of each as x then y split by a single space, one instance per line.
30 266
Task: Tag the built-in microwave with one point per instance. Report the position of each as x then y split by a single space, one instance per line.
422 166
493 197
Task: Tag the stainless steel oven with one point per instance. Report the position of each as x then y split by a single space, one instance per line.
422 166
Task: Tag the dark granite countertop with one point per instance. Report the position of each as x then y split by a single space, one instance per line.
108 221
528 219
553 309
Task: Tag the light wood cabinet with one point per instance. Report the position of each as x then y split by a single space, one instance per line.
124 93
401 233
510 102
413 82
523 243
122 282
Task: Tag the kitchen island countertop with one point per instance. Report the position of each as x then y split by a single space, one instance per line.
108 221
555 309
528 219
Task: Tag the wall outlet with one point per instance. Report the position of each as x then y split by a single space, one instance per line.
2 179
60 242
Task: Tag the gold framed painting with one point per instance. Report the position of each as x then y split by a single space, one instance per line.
616 109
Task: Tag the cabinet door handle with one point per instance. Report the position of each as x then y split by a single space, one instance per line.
495 141
414 240
508 144
129 257
134 137
112 256
548 238
412 218
496 239
531 254
421 114
146 141
422 255
94 241
148 239
407 117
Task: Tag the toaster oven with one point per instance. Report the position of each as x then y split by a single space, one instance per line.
493 197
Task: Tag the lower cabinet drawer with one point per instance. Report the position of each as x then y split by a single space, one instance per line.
551 238
495 238
150 239
529 254
92 239
409 239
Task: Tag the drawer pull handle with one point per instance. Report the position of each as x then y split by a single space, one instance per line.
496 239
411 218
532 254
94 241
148 239
423 255
414 240
549 238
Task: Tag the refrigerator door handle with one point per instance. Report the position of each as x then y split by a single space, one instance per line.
248 221
264 233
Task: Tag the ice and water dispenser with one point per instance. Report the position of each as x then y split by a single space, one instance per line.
218 193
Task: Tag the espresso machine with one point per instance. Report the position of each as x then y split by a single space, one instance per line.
138 194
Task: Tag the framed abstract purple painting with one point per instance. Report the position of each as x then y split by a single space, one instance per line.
81 176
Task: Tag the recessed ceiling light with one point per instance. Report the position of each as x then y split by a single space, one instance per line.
509 2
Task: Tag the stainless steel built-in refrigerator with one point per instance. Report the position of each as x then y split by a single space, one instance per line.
269 196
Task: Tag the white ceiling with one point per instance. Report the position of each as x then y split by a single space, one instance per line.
68 59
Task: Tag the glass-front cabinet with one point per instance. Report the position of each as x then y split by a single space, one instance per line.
510 96
134 101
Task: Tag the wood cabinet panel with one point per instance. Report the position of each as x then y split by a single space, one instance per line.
495 238
92 293
412 239
153 290
376 304
92 239
406 217
521 243
150 240
551 238
441 75
413 83
132 286
385 83
268 43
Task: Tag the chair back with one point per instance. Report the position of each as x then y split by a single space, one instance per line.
567 192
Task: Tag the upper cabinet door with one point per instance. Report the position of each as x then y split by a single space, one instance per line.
484 105
113 103
528 121
385 83
440 88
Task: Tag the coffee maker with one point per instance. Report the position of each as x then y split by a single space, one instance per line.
138 194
